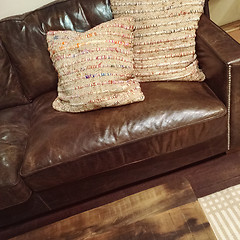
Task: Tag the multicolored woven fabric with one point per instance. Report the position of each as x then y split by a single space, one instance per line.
164 39
95 68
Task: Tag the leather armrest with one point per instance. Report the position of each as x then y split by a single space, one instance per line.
219 58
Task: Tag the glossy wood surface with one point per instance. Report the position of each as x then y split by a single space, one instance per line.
168 211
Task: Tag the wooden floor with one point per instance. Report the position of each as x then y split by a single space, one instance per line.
213 175
206 177
167 211
233 29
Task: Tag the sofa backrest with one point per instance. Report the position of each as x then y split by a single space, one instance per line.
11 93
24 38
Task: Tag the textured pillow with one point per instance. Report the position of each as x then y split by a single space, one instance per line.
164 39
95 67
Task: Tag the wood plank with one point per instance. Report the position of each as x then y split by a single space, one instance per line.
235 35
213 175
197 221
155 213
181 223
233 29
231 26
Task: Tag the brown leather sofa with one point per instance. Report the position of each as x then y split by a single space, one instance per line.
51 160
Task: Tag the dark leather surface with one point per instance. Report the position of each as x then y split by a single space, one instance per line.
14 127
100 184
217 51
235 106
206 8
11 93
74 157
65 147
21 212
24 38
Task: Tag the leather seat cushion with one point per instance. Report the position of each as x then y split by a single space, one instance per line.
14 127
66 147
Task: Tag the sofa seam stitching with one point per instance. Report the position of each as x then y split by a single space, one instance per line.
229 105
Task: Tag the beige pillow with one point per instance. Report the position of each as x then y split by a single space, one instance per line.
94 68
164 39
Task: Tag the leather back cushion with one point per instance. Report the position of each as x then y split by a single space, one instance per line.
11 93
24 37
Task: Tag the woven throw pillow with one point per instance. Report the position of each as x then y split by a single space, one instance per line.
94 68
164 39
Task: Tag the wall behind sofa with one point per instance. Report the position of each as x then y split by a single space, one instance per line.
224 11
14 7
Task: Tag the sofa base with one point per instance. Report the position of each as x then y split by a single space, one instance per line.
71 193
98 186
